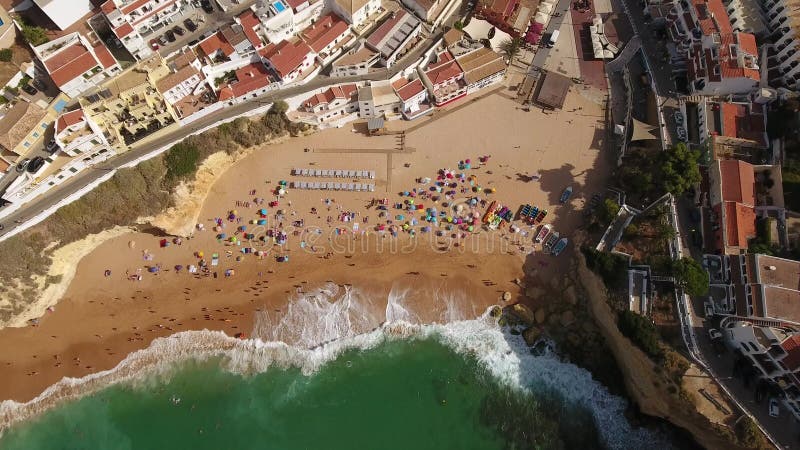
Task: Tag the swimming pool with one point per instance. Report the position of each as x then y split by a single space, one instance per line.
279 6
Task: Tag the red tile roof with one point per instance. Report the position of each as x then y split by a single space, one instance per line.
216 42
740 223
738 181
68 119
728 59
69 63
105 56
123 30
792 347
294 4
249 23
108 6
739 121
388 25
131 7
226 93
320 34
251 77
445 69
407 90
346 91
286 56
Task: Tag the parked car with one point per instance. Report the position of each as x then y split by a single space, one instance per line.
154 44
207 6
178 30
29 89
190 25
163 40
774 408
23 164
170 35
52 146
35 164
714 334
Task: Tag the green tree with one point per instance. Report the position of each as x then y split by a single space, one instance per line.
679 169
280 107
641 331
690 276
458 25
664 232
747 432
608 210
6 54
510 47
34 35
181 160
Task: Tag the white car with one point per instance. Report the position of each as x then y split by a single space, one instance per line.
774 408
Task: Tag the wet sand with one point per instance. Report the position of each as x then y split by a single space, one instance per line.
101 318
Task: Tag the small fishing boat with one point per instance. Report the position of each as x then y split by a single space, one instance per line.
566 194
560 246
540 217
543 232
551 240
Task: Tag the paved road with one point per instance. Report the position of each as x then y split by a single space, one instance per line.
78 182
784 429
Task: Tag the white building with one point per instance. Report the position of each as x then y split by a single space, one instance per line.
378 100
75 65
413 98
355 63
355 12
482 68
289 59
334 103
282 19
328 37
77 134
133 21
64 13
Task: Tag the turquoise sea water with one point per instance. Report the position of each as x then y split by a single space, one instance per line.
401 394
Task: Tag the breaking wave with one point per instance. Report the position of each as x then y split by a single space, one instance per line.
322 324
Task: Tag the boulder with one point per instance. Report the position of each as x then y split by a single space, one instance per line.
506 296
496 311
522 313
531 334
567 317
540 315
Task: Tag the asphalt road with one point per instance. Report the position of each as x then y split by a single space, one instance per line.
78 182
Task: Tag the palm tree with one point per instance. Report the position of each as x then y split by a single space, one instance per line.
510 47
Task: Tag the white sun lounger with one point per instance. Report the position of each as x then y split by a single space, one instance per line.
371 187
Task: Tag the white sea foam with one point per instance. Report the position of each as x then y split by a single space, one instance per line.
324 323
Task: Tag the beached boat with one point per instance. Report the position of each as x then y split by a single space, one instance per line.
543 232
566 194
540 217
551 241
560 246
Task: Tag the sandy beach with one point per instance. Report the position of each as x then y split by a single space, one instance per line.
114 305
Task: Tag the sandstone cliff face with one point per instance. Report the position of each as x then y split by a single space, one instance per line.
638 371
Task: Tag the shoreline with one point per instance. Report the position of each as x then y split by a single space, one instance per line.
115 314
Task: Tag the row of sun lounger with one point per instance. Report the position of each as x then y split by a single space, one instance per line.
331 186
334 173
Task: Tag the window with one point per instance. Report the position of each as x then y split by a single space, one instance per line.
44 126
36 134
26 144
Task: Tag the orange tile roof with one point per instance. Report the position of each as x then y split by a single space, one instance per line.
738 181
346 91
740 223
739 121
68 119
226 93
712 17
445 69
249 23
407 90
216 42
728 59
105 56
123 30
108 6
792 347
321 33
69 63
286 56
251 77
131 7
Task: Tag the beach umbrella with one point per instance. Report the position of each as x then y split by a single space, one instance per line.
262 211
152 269
199 254
178 267
470 228
242 228
222 236
262 222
